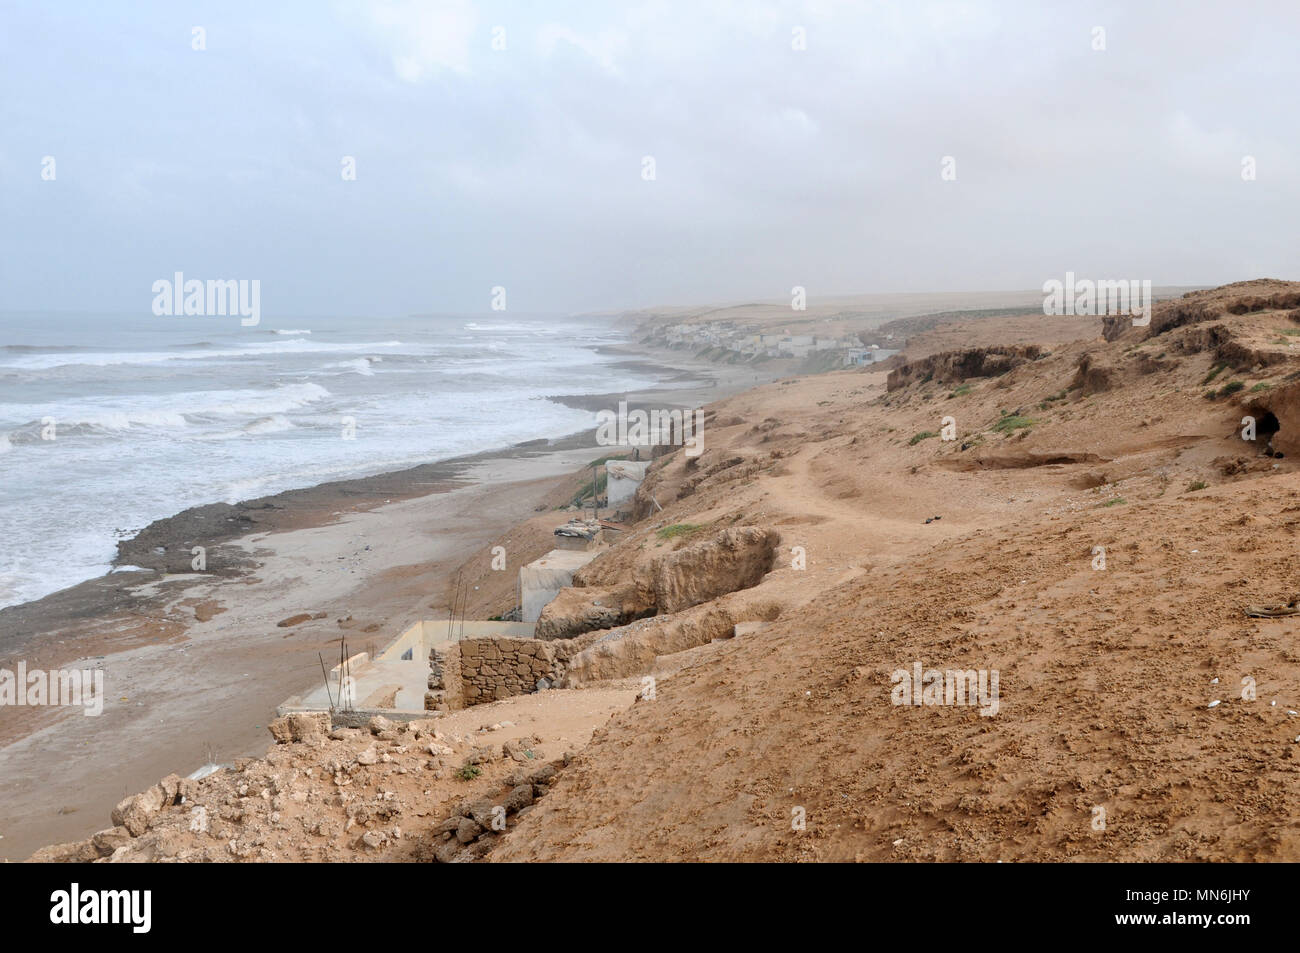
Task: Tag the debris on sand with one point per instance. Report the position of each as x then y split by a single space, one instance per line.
1275 611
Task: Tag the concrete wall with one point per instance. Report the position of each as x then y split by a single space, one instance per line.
423 635
393 685
624 476
387 685
541 580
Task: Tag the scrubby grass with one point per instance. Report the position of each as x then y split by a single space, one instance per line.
1218 369
678 530
1227 390
589 489
1059 395
923 435
1012 422
1115 501
1261 386
960 391
1196 485
468 772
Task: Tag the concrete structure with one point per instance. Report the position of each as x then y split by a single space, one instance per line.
867 355
394 683
622 479
375 685
579 535
416 641
541 580
752 342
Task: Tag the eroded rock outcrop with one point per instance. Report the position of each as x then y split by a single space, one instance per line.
632 649
735 558
577 610
952 367
1093 376
1240 297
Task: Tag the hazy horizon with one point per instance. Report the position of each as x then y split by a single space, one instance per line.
1031 298
793 144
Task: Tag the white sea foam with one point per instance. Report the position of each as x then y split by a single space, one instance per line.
257 402
168 410
360 365
273 424
152 419
259 349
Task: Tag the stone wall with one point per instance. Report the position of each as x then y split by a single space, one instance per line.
500 668
477 671
444 692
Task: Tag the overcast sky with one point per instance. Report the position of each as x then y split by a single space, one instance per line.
523 167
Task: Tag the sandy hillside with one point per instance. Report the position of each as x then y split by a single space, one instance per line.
1106 676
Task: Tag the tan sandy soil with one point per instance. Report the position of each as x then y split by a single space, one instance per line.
1107 676
359 795
1013 329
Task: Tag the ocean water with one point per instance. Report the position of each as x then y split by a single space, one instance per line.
152 415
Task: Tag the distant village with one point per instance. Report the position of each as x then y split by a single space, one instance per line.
754 343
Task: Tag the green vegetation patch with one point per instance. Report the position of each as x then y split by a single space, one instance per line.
1218 369
590 488
1012 422
678 530
1227 390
